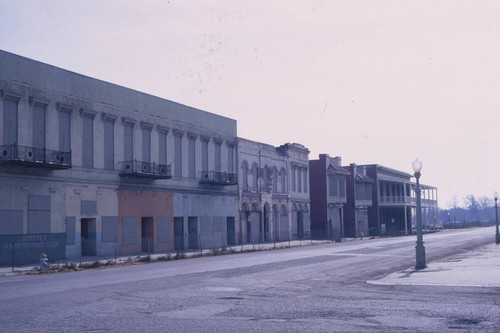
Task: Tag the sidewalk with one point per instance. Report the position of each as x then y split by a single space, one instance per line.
477 268
142 257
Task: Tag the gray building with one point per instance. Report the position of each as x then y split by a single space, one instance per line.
90 167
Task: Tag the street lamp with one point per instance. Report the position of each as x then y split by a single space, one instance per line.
497 235
419 249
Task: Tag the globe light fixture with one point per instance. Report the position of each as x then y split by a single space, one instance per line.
417 165
419 248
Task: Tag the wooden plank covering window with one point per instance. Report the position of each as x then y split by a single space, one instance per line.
109 145
38 126
88 142
10 119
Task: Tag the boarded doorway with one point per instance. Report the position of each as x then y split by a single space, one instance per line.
267 222
193 232
178 233
147 233
300 225
89 239
231 231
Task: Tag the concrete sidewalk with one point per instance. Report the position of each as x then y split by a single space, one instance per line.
137 258
477 268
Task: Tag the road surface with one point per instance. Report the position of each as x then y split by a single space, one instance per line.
308 289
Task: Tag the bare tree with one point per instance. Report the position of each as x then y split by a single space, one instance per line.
485 202
472 205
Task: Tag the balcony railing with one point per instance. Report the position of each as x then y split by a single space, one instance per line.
218 178
145 169
363 203
394 199
38 157
337 199
406 200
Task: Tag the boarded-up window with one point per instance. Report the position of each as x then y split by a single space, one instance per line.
363 191
146 145
109 228
306 178
70 230
299 179
129 230
244 173
342 187
39 202
129 142
204 155
178 155
283 180
65 130
163 229
11 222
230 159
9 121
89 207
333 186
192 155
162 144
109 145
255 177
275 180
38 126
88 142
217 156
38 214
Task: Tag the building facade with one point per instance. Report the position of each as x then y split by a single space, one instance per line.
394 202
274 196
328 197
359 199
88 167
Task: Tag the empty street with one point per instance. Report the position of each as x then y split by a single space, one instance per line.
319 288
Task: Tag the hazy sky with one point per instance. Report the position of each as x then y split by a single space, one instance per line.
372 81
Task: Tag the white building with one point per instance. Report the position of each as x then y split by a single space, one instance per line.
274 195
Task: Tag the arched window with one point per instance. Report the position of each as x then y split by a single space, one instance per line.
255 176
275 180
244 175
283 180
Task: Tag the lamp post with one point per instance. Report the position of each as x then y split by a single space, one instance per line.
419 249
497 235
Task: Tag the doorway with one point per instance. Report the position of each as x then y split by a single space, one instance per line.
231 231
193 232
300 225
147 234
178 233
89 239
267 227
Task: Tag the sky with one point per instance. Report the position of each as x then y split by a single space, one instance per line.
373 81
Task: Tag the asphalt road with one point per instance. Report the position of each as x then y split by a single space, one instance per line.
308 289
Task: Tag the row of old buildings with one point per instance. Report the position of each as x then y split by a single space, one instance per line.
88 167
